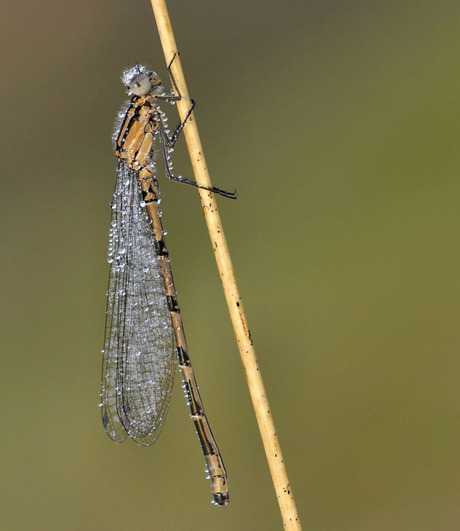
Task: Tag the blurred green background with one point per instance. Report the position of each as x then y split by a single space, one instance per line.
338 123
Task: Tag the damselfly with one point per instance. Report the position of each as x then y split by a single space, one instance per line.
144 332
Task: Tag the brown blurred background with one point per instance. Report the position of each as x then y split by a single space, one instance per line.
338 123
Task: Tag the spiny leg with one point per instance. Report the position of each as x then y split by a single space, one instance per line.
167 146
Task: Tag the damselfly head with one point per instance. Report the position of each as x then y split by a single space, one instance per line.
139 81
140 85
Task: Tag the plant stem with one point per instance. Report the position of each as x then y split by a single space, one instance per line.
224 264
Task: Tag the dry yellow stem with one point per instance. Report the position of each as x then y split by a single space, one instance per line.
225 267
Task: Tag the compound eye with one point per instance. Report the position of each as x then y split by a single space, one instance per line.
140 85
